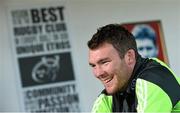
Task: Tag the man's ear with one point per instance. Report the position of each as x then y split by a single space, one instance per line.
130 58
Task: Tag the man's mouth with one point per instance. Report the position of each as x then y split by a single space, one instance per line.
108 80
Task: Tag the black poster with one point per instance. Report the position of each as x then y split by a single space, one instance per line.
46 69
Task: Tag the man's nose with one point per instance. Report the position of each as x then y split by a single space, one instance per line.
145 53
98 72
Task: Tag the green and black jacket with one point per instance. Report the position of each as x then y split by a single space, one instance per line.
153 87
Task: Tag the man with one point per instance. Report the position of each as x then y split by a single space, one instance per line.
146 40
132 83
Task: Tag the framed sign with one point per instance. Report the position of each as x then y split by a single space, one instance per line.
43 58
149 38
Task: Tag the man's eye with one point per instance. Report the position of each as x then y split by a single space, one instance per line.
105 62
92 65
149 48
140 48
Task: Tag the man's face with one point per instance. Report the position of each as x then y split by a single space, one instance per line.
107 66
146 48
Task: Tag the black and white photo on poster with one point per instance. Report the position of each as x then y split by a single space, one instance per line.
42 50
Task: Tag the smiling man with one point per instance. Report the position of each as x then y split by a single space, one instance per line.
132 83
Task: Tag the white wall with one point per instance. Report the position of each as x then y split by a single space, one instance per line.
8 95
84 17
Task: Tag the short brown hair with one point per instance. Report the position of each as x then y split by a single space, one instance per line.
121 39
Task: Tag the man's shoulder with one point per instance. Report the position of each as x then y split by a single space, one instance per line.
154 72
162 77
103 103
